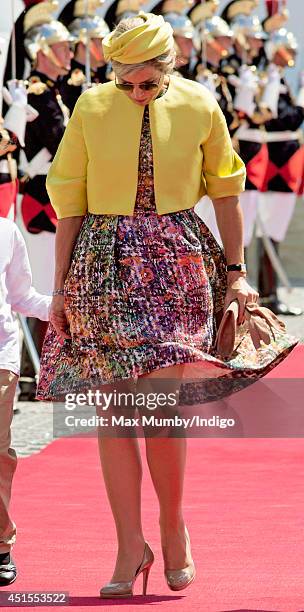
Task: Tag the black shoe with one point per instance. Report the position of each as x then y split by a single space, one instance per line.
27 391
8 570
279 308
268 284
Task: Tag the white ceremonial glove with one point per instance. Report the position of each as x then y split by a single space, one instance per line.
20 112
300 97
246 84
272 90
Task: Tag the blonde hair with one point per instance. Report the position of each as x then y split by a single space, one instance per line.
164 63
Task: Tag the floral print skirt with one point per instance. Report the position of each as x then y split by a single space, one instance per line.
145 292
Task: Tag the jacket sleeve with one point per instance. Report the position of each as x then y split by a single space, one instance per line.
223 170
66 181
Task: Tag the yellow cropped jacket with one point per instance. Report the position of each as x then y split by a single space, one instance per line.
95 168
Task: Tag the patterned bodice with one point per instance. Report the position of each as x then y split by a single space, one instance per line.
145 198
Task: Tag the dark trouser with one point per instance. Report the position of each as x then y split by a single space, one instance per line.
267 277
268 283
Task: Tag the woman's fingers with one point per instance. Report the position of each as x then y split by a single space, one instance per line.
58 317
60 324
252 296
241 298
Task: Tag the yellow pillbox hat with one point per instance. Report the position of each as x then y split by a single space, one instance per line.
154 37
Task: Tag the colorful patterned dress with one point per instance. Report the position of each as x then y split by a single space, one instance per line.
142 293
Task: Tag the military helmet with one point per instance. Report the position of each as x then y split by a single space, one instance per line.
121 9
173 11
284 41
217 27
201 11
249 26
277 16
243 22
209 31
181 25
280 39
162 7
41 30
79 16
238 7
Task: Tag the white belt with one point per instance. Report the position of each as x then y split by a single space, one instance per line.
249 135
4 166
4 169
40 164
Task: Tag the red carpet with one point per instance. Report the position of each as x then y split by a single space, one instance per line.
292 366
244 506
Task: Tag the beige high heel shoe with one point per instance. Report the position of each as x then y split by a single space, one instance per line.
179 579
125 589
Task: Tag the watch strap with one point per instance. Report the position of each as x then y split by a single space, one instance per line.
240 267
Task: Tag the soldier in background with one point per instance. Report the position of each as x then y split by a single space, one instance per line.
215 44
87 30
248 33
173 11
243 78
46 43
285 154
12 135
215 40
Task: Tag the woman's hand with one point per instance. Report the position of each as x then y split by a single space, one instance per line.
238 289
58 317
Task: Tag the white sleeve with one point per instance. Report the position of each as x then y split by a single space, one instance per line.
21 295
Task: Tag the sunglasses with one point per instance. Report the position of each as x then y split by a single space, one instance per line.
145 86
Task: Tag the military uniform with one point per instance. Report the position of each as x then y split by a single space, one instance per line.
36 216
72 85
222 93
42 138
282 183
212 33
205 208
284 169
246 26
85 27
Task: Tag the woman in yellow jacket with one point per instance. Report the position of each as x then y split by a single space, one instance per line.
139 278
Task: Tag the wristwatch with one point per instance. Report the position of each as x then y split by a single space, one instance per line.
58 292
240 267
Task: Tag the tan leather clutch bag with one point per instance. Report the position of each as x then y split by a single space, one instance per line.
261 323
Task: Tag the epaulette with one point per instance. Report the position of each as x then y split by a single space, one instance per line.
36 86
228 69
77 78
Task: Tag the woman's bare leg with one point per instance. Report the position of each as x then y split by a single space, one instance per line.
166 457
122 471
